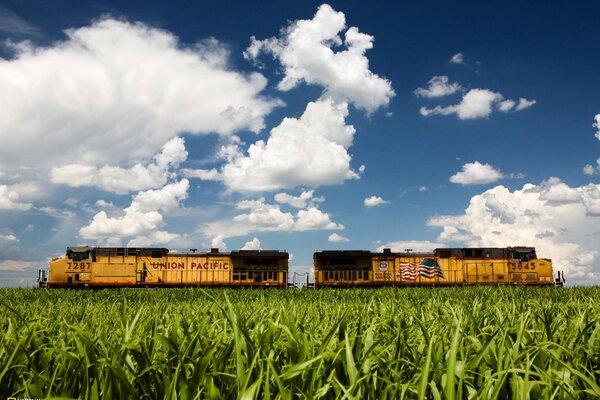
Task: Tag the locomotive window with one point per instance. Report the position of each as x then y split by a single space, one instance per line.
365 275
80 256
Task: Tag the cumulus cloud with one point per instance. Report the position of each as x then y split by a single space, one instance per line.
417 246
259 216
306 52
478 103
555 192
10 200
114 92
458 58
561 226
142 220
298 201
374 201
506 105
524 103
591 170
123 180
308 151
476 174
335 238
253 244
597 125
8 239
438 87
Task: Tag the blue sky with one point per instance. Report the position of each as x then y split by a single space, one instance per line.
299 126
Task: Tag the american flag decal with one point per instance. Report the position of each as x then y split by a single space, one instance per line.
428 268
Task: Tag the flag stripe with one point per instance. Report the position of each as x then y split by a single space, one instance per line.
428 268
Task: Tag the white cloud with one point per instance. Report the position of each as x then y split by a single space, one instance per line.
300 201
218 242
438 87
597 125
259 216
305 50
591 170
536 215
524 103
10 200
309 151
477 103
506 105
254 244
423 189
417 246
476 174
142 219
8 239
153 238
458 58
114 92
18 265
313 218
374 201
335 238
555 192
120 180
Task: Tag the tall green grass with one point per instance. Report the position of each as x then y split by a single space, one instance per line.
451 343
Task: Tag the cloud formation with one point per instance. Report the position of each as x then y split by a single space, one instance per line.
10 200
476 173
114 92
259 216
253 244
306 52
141 221
597 125
335 238
478 103
308 151
458 58
438 87
548 216
124 180
589 169
374 201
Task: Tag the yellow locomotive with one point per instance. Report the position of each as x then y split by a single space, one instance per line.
447 266
157 267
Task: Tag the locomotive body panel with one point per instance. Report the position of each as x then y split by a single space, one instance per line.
468 266
148 267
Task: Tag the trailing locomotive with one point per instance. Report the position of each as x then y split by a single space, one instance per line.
447 266
157 267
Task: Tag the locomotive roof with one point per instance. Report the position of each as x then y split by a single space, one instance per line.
452 250
147 250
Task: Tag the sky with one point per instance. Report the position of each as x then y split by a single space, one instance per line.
299 126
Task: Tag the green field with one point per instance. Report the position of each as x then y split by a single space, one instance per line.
451 343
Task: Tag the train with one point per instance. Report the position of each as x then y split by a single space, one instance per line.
84 266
